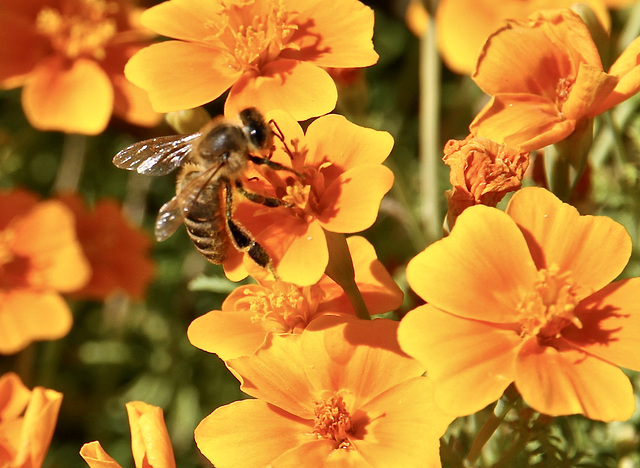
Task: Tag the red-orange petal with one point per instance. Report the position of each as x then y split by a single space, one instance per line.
404 426
180 75
610 324
595 249
520 120
470 362
27 316
20 48
482 271
73 98
569 381
351 202
96 457
250 433
131 103
347 145
229 334
302 89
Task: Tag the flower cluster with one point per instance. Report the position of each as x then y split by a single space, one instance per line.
348 359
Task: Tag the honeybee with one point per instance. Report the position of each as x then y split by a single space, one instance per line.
211 163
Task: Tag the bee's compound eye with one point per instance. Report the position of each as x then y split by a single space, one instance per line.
256 129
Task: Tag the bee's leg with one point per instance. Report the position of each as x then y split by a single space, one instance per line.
243 240
271 164
257 198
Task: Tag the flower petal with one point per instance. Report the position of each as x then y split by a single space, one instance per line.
276 375
302 89
181 19
179 75
17 61
347 145
610 324
592 86
27 316
47 235
483 270
96 457
252 431
332 34
320 452
568 381
73 98
359 355
595 249
471 363
150 441
351 202
627 69
228 334
526 121
406 418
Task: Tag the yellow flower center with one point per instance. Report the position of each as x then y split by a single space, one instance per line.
563 89
290 306
80 28
253 32
333 421
550 306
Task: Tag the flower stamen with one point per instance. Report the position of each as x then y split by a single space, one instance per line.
333 421
550 306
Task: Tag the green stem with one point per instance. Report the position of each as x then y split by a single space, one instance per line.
489 427
616 134
430 153
340 269
71 165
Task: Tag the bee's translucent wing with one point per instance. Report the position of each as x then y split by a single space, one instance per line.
170 216
157 156
172 213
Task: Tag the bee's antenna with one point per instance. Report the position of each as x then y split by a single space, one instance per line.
280 137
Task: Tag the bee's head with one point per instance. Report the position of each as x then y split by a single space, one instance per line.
256 129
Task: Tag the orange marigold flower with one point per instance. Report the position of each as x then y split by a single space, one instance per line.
527 296
252 312
269 52
27 422
150 443
40 257
464 25
69 55
340 393
482 173
117 251
544 76
340 186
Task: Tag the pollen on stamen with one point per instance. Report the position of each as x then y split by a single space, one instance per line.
288 305
563 89
550 305
333 421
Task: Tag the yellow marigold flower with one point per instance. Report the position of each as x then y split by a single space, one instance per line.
464 25
527 297
150 443
40 257
69 56
482 173
27 422
269 52
340 394
254 311
117 251
545 76
339 188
